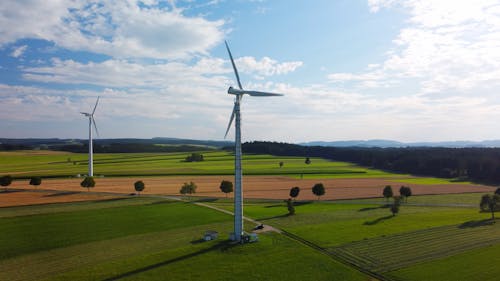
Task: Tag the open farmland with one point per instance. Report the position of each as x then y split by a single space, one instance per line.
146 239
151 237
164 173
404 247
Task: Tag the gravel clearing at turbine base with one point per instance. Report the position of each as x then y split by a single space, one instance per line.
271 187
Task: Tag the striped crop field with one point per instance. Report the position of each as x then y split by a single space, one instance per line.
388 253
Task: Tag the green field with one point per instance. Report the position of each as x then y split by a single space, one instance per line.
434 237
367 235
24 164
147 239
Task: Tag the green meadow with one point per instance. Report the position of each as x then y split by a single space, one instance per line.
24 164
407 246
147 239
433 237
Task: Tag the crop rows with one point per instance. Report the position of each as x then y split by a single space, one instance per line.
389 253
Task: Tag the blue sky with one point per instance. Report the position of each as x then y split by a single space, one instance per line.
414 70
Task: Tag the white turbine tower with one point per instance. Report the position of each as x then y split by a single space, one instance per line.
91 151
238 194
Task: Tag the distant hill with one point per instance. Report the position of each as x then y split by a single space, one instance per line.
114 145
391 143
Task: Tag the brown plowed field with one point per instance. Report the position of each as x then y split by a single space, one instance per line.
272 187
21 197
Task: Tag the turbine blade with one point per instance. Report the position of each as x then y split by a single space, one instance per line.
95 126
95 105
262 94
234 66
230 121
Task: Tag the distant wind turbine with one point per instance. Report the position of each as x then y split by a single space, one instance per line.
91 152
238 193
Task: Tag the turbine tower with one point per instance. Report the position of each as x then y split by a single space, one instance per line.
91 151
238 192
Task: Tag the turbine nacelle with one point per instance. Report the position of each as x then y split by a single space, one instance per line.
238 92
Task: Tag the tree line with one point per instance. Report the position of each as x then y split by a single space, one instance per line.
473 164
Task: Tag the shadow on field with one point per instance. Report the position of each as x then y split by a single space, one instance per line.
222 246
373 208
470 224
11 190
62 193
275 217
274 206
374 222
163 202
206 200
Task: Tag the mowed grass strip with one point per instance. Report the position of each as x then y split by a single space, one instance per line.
478 264
105 258
28 234
392 252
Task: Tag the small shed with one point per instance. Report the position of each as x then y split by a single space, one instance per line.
210 235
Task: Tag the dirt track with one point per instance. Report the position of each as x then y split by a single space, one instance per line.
272 187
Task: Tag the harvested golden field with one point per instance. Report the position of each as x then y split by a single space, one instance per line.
271 187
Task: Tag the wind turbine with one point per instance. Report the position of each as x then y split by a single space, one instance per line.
91 152
238 193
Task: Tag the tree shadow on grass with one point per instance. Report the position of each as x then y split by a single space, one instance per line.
274 217
470 224
375 221
163 202
222 246
206 200
374 208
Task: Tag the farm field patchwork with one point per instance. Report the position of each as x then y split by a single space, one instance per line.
368 236
152 239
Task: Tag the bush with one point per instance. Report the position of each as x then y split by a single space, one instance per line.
88 182
36 181
194 157
139 186
5 181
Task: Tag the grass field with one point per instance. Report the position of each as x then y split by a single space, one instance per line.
59 164
434 237
146 239
365 234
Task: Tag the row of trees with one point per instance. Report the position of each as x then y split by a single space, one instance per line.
404 192
7 180
475 164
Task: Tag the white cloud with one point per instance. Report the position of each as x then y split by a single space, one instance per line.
448 46
120 29
266 66
18 51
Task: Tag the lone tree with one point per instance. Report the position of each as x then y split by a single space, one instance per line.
281 164
490 203
88 182
188 188
308 161
289 205
294 192
35 181
497 191
388 192
318 190
5 181
139 186
395 205
405 191
194 157
226 187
